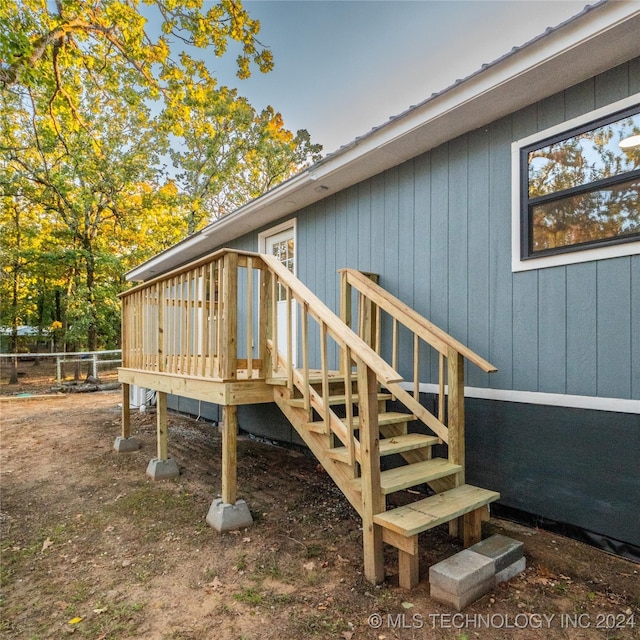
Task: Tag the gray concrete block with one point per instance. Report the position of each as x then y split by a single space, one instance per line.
511 571
461 600
223 516
462 572
502 550
162 469
126 445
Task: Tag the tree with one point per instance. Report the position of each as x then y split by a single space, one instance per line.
227 153
93 106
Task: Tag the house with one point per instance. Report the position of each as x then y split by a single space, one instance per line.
505 210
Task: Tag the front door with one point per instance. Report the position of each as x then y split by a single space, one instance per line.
281 244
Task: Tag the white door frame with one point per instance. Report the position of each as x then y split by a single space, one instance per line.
284 230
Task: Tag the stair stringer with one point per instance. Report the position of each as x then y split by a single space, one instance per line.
318 443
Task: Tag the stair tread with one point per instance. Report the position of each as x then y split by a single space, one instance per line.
389 417
398 444
425 514
315 377
411 475
338 399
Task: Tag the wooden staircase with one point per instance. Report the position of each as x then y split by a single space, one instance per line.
401 525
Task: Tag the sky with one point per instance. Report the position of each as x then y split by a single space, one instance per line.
343 67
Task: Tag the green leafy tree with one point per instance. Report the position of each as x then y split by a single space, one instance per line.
93 106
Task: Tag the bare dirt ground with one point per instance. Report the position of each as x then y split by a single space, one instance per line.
91 547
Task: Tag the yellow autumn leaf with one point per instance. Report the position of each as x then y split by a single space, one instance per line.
75 620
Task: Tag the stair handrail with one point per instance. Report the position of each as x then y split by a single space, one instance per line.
336 328
426 330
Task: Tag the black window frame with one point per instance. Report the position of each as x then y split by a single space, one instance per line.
527 204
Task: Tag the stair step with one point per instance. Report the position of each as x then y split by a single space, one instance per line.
391 417
315 377
425 514
337 400
411 475
389 446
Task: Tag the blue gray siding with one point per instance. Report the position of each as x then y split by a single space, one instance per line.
438 231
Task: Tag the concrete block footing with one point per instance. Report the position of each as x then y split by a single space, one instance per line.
125 445
466 576
223 516
162 469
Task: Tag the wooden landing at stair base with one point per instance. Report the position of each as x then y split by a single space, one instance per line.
401 526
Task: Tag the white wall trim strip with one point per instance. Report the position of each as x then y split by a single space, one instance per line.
619 405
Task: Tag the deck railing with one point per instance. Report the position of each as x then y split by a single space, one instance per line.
186 322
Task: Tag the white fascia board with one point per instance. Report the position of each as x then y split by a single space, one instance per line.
600 39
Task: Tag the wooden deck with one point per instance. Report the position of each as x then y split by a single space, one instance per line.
209 331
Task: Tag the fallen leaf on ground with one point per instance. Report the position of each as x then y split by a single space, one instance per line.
102 610
309 566
46 544
75 620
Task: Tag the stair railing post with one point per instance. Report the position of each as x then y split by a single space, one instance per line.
229 352
455 424
345 309
265 331
373 501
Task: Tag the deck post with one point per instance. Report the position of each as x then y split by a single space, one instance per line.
124 442
162 467
229 453
373 501
265 331
455 405
227 513
230 316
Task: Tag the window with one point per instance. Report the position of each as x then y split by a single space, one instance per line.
579 187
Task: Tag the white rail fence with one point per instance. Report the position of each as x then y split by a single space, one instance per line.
93 358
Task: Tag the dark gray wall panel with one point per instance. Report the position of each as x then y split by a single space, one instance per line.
574 466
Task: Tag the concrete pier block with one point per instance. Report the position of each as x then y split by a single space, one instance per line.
511 571
502 550
162 469
461 579
223 516
126 445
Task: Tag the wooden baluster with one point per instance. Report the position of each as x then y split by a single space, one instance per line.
456 410
203 321
373 501
249 317
394 348
441 381
378 330
305 357
324 365
416 366
289 342
274 319
348 403
345 306
219 319
161 327
211 337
